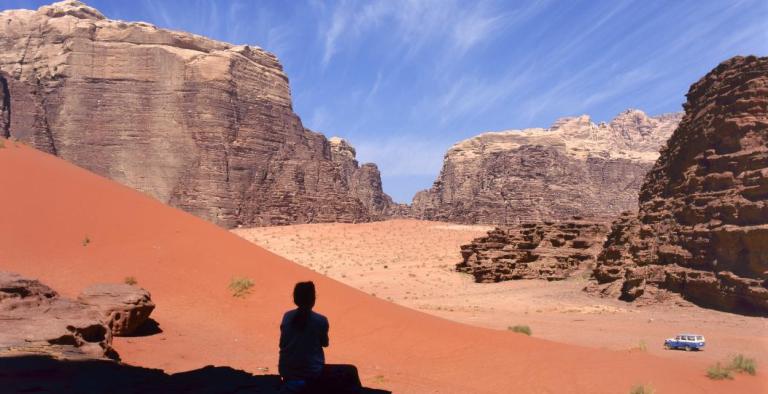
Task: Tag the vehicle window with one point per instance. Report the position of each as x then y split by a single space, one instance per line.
687 338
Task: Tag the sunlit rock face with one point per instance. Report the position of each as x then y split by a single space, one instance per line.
702 226
573 168
202 125
546 250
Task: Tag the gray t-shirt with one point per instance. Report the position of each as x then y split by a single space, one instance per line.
301 351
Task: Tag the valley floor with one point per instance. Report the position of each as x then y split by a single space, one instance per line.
411 263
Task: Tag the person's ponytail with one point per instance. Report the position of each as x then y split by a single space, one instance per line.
304 298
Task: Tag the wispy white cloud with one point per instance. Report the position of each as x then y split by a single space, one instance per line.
402 155
468 32
337 26
412 25
374 88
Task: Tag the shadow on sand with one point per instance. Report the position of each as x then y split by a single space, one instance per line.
40 374
148 328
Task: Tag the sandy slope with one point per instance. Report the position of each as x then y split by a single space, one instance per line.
48 207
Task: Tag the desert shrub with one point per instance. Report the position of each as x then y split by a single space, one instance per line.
520 329
129 280
718 372
642 389
2 143
240 286
642 346
742 364
86 240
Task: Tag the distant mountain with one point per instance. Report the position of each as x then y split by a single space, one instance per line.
573 168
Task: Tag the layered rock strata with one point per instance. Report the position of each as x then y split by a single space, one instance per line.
35 320
702 226
202 125
547 250
573 168
363 181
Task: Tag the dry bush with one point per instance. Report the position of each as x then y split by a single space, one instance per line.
741 364
642 389
718 372
240 287
520 329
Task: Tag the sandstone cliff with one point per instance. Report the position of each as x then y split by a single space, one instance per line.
574 168
202 125
547 250
702 226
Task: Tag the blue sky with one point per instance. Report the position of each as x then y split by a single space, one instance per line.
404 80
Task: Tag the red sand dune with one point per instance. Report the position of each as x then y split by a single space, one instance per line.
48 207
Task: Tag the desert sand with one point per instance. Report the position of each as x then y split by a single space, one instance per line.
48 207
411 263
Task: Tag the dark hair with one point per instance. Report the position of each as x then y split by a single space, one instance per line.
304 298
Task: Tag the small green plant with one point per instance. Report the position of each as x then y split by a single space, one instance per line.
240 286
642 346
718 372
642 389
129 280
741 364
379 379
86 241
520 329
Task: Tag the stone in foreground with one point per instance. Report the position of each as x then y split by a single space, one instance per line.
35 320
124 308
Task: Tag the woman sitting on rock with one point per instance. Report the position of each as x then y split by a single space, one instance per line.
303 335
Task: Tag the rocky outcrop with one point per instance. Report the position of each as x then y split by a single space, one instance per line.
574 168
34 319
199 124
702 226
124 308
547 250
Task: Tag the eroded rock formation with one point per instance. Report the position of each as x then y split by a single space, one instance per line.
35 320
547 250
574 168
702 226
124 308
202 125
